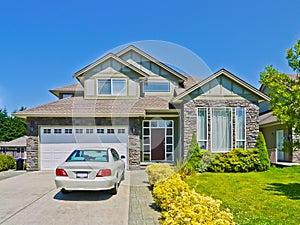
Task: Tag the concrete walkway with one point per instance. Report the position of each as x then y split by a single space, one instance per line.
141 205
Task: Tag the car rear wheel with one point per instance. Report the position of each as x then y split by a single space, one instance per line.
114 191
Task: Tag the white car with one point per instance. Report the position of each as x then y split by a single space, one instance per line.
92 170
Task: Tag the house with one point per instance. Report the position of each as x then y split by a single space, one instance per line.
15 148
143 108
276 134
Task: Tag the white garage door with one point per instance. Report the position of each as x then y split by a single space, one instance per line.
56 143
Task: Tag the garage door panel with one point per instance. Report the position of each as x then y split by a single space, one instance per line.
55 148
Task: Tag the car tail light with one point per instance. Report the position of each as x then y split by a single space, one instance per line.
61 172
104 173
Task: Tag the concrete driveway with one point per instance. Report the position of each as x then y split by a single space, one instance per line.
32 198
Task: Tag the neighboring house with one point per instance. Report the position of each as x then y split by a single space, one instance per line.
276 134
16 148
143 108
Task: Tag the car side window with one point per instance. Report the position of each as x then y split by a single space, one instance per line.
115 154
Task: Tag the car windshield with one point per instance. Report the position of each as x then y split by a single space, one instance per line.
88 156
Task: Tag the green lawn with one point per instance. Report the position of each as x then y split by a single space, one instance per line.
271 197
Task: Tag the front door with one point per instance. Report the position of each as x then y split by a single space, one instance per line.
158 140
157 144
279 144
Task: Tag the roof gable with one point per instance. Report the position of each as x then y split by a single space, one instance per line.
226 80
109 56
142 56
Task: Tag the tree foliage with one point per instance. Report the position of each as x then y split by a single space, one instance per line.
11 127
284 90
262 152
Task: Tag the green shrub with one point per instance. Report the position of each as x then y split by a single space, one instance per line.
191 164
262 152
158 171
7 162
237 160
11 162
180 205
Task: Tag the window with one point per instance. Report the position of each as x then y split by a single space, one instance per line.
110 131
89 131
240 128
100 131
157 87
113 87
57 131
79 131
202 128
47 131
221 132
67 95
68 131
121 131
115 154
88 155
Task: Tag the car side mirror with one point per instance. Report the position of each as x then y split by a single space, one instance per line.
123 157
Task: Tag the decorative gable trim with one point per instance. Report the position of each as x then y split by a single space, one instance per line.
104 58
260 96
181 77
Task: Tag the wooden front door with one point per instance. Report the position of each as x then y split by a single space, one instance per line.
158 144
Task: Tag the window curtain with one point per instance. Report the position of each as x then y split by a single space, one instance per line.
221 130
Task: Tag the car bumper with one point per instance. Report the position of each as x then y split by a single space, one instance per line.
97 184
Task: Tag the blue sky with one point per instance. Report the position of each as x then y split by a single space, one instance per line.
42 43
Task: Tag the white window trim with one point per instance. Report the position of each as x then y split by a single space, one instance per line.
157 91
245 128
231 124
111 84
198 140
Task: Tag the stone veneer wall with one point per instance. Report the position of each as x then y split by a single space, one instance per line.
32 162
134 144
190 119
296 151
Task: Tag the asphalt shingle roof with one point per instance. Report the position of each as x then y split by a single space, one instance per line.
90 107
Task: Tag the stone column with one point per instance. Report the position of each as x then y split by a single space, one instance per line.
32 161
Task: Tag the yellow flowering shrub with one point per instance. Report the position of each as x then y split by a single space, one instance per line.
180 205
158 171
165 191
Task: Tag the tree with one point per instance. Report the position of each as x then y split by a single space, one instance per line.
262 152
11 127
284 90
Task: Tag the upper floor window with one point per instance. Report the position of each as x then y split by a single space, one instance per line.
157 86
112 87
